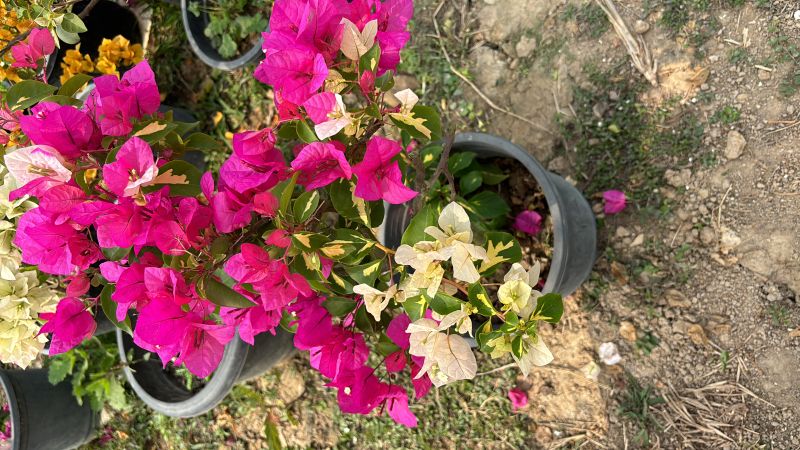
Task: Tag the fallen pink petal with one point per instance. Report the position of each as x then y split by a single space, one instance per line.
614 202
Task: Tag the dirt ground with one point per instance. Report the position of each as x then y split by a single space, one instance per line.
718 292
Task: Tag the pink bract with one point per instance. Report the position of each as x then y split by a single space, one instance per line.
519 399
133 168
528 222
70 325
614 201
378 176
320 164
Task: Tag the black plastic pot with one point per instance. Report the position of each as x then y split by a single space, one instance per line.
202 47
107 19
43 416
163 393
574 226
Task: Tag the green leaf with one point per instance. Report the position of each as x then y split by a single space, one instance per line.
549 307
415 232
305 205
364 321
152 131
27 93
431 155
479 298
309 242
459 161
115 253
115 397
339 306
67 36
512 254
365 273
221 246
511 322
470 182
227 48
445 304
202 142
60 367
369 61
432 120
219 294
63 100
273 436
385 82
72 23
488 205
110 309
516 347
305 132
484 334
288 131
341 194
284 191
192 174
492 175
415 307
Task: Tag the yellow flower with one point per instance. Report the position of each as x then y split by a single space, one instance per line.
105 66
134 55
10 75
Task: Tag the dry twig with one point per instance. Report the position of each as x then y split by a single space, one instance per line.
637 48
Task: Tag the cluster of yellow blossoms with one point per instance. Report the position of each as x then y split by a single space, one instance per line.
10 27
112 53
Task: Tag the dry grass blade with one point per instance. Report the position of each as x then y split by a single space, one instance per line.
707 416
637 49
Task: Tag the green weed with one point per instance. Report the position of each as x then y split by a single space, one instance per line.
726 116
635 405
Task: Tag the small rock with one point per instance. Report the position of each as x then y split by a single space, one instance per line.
707 236
797 15
641 27
728 241
622 232
627 331
525 46
677 299
697 335
735 146
638 241
794 333
292 385
558 164
764 75
678 178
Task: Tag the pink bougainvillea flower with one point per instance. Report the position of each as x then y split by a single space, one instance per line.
202 347
77 285
193 218
250 322
122 225
321 163
328 112
311 25
266 204
519 399
70 325
232 211
378 176
423 384
58 249
296 73
161 326
130 290
137 84
397 407
396 331
614 201
257 148
112 270
168 284
360 391
528 222
279 238
396 362
133 168
29 54
244 178
67 129
29 163
367 83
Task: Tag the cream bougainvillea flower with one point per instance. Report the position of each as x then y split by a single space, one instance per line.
375 300
518 290
534 353
447 357
455 236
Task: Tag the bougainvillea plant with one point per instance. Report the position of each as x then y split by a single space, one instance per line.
287 233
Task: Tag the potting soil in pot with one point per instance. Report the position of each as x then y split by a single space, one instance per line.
233 26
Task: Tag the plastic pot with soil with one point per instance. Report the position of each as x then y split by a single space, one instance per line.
226 34
570 227
107 19
165 390
42 416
